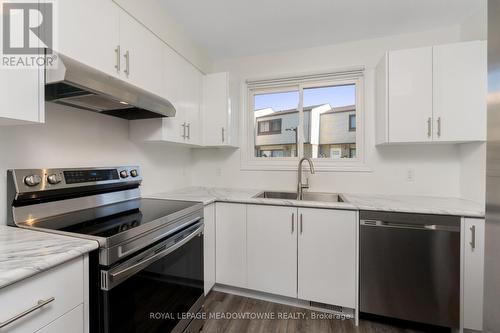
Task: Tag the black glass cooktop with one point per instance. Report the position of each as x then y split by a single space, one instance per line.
110 220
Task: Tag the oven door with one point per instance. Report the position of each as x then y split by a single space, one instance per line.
158 290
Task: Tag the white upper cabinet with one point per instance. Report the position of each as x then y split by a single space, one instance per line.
88 31
410 95
181 85
327 256
432 94
23 94
272 249
141 54
103 36
460 91
219 122
23 100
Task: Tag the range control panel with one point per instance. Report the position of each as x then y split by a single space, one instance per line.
28 180
86 176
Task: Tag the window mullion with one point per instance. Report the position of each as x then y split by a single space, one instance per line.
300 128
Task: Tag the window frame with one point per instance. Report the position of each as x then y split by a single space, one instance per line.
250 162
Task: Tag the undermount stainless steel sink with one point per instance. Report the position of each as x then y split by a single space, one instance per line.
307 196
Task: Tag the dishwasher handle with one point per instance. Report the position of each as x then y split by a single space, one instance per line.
403 225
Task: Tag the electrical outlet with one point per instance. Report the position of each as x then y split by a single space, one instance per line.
410 176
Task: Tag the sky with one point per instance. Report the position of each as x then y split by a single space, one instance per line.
336 96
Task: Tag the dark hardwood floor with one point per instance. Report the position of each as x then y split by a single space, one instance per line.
218 303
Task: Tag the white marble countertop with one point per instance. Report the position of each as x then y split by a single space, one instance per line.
417 204
393 203
24 253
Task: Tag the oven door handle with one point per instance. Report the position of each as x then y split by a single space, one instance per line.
121 275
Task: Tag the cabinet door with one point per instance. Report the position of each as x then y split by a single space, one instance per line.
410 95
88 31
215 109
327 256
23 101
460 91
73 319
272 249
173 127
142 54
473 273
193 89
209 247
230 244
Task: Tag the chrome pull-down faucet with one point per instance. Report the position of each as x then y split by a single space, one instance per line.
300 186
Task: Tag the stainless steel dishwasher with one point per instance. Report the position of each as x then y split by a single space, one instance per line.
410 267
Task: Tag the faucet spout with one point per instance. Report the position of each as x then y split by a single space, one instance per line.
300 185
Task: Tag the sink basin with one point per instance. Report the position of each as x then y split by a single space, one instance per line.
307 196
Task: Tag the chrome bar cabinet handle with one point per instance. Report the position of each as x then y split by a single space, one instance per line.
189 131
473 237
183 130
39 305
439 127
118 57
127 63
301 224
429 127
293 222
223 134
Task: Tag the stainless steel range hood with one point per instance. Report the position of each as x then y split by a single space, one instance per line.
77 85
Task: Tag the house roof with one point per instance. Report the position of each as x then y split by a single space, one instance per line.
346 108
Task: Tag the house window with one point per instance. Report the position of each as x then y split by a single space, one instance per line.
352 122
272 126
319 117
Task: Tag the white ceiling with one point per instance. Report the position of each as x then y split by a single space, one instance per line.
233 28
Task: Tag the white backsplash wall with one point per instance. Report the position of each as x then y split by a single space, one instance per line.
434 169
74 138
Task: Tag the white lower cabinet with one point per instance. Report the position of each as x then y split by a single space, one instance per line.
61 288
327 256
304 253
473 273
209 247
61 325
272 249
231 245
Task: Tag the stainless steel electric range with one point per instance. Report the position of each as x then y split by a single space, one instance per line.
147 275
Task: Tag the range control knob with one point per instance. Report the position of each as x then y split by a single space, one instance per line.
32 180
54 179
124 174
134 173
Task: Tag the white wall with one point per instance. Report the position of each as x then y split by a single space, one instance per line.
74 138
435 169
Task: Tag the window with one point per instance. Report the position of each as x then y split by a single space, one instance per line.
272 126
326 111
352 122
319 117
276 120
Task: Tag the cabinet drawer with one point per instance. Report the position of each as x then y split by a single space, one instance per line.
63 283
73 319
